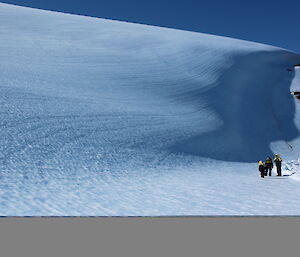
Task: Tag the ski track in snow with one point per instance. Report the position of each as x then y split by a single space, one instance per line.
101 117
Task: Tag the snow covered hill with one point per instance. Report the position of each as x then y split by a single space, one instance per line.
101 117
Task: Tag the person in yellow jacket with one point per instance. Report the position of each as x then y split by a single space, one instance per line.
262 168
278 161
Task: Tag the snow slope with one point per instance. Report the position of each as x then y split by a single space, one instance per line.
101 117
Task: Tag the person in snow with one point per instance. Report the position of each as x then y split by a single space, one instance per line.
269 166
278 162
261 168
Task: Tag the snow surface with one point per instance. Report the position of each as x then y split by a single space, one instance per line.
101 117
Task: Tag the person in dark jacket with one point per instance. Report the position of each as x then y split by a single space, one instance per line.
269 166
261 168
278 162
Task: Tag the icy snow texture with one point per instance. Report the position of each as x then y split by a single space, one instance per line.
101 117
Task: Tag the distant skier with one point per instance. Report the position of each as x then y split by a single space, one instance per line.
261 168
278 162
269 166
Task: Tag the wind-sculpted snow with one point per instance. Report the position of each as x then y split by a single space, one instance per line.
101 117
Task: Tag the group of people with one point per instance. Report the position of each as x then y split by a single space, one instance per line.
267 166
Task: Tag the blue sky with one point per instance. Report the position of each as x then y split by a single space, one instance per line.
274 22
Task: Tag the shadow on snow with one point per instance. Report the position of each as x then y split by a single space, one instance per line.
253 100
